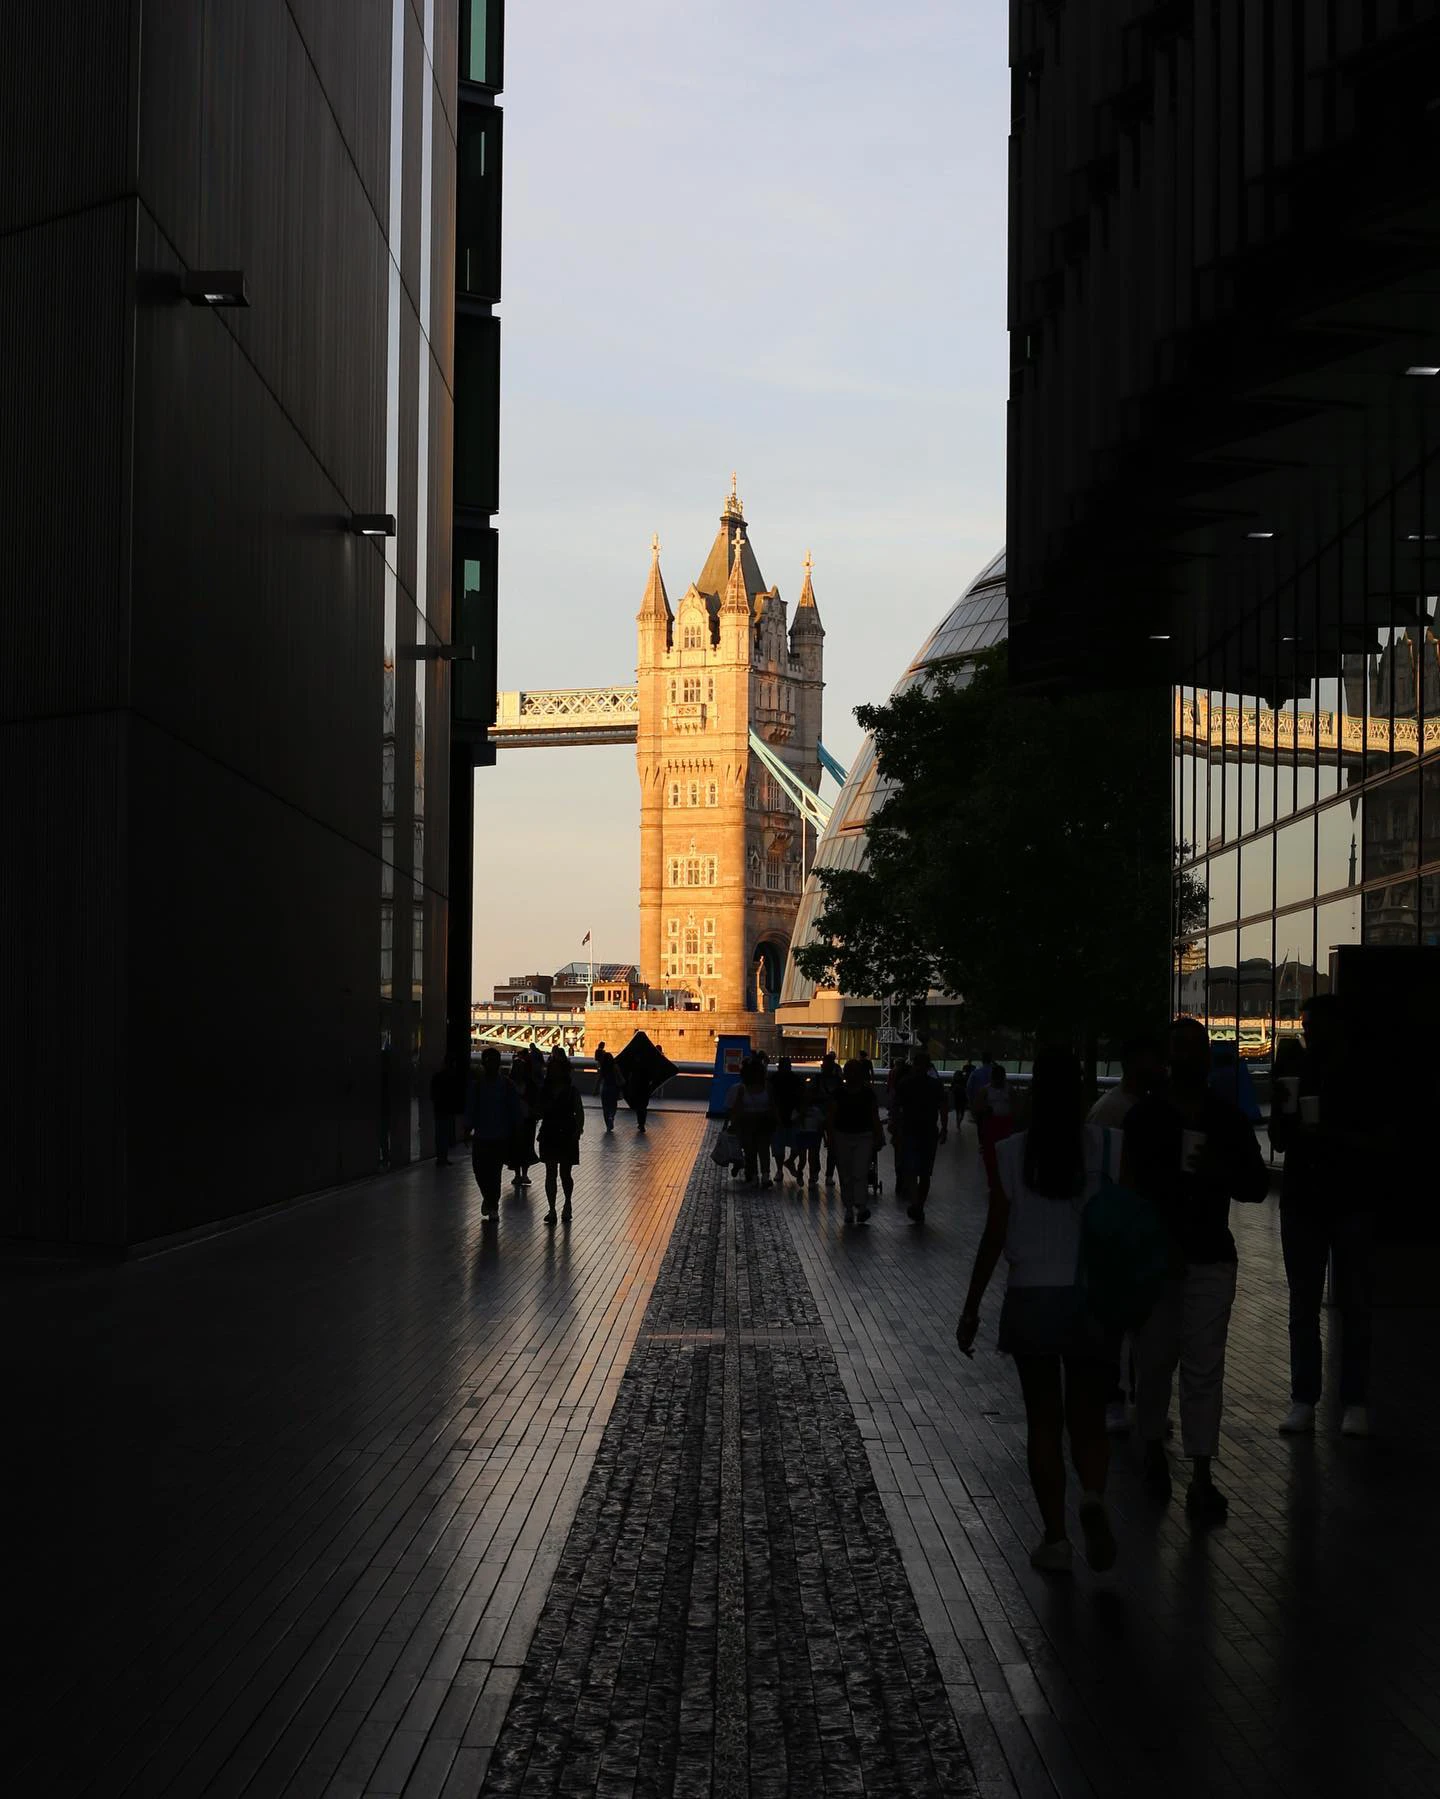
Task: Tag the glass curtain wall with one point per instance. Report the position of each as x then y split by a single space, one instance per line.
1307 781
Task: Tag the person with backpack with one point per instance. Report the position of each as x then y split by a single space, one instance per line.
562 1122
1047 1177
1189 1152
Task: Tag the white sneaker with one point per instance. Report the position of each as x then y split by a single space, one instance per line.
1299 1421
1355 1421
1052 1558
1117 1418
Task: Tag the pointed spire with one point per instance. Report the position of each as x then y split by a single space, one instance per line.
807 613
733 508
656 603
737 596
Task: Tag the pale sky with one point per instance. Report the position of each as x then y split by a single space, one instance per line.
762 237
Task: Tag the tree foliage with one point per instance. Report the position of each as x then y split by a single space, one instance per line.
1020 858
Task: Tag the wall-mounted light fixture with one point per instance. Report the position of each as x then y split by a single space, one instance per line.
214 287
1423 368
1260 536
373 524
441 652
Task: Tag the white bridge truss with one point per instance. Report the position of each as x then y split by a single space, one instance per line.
571 716
565 716
506 1028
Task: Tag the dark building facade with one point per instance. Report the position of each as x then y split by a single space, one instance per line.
1223 476
226 731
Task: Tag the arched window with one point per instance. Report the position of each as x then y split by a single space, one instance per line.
674 793
694 798
672 693
691 639
692 690
712 794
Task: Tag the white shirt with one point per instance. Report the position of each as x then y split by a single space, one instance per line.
1042 1241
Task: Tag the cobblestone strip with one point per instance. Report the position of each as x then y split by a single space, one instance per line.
730 1613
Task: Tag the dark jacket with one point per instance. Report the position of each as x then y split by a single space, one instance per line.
1195 1207
1333 1162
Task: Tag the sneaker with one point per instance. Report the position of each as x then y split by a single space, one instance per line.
1205 1503
1053 1558
862 1214
1299 1421
488 1208
550 1216
1355 1421
1157 1472
1117 1418
524 1180
916 1212
565 1212
1100 1547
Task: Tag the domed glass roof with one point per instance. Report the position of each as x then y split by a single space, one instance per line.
977 620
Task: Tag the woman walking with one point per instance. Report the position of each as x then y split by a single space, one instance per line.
1046 1177
854 1134
752 1115
562 1120
994 1119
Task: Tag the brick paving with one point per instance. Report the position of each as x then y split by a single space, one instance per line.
1293 1652
730 1613
289 1501
335 1503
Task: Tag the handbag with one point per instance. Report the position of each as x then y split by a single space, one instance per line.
726 1151
1124 1253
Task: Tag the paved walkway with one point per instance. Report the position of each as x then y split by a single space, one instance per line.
295 1510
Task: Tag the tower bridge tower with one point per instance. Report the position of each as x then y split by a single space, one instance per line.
722 850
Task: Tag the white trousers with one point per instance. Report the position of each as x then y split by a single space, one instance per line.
1187 1329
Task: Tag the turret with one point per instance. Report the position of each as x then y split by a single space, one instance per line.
654 617
806 628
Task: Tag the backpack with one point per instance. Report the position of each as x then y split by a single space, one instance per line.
1124 1253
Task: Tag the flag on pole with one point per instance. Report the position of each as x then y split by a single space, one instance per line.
584 940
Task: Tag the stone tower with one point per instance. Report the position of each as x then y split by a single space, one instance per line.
722 848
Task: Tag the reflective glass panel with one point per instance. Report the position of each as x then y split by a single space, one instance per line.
1336 925
1221 996
1391 914
1430 810
1256 971
1295 862
1392 827
1338 846
1430 910
1294 968
1224 891
1257 882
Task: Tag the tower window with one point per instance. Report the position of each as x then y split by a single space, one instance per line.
690 638
692 690
712 794
674 793
672 693
710 690
694 793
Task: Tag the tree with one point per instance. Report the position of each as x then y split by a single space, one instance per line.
1020 860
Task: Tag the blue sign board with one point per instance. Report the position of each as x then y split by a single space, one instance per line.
730 1054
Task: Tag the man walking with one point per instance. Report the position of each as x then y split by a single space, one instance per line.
919 1113
494 1113
1325 1220
1190 1153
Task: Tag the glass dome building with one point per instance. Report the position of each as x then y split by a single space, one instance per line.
977 620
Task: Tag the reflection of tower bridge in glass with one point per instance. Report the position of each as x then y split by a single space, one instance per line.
725 715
